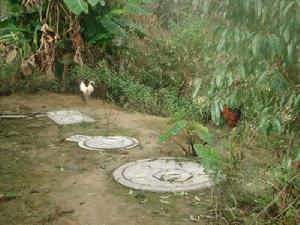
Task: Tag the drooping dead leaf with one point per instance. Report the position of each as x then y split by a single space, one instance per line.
77 41
31 5
78 57
9 53
11 56
43 59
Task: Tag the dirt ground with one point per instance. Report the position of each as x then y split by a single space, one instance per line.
54 182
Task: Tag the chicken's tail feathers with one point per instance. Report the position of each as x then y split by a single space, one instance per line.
92 82
238 112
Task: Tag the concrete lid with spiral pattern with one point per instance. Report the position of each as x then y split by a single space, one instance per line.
163 175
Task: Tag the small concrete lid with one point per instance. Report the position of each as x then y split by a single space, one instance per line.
77 138
68 117
100 143
163 175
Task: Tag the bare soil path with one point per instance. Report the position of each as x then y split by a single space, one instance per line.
46 180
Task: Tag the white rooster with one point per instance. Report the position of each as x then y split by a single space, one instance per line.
86 91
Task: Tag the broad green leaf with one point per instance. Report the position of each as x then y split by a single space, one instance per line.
134 9
258 7
178 127
113 28
174 130
215 113
221 43
287 8
256 43
98 38
102 2
264 125
290 50
277 125
95 2
279 83
242 71
6 37
77 6
286 34
209 157
218 81
274 44
197 86
264 14
291 100
229 78
221 70
163 137
296 153
116 12
237 37
297 103
203 133
26 48
177 116
35 36
263 77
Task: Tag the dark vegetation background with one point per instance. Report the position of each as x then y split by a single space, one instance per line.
165 57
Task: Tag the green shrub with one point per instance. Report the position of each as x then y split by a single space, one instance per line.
169 59
125 90
11 80
37 83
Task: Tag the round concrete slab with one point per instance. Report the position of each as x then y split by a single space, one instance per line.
163 175
100 143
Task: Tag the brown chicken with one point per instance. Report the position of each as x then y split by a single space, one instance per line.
231 116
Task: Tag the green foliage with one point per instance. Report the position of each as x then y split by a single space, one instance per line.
177 63
174 130
173 11
105 23
254 55
79 6
125 90
35 84
187 133
100 25
209 157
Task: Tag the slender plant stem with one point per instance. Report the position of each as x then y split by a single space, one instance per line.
274 200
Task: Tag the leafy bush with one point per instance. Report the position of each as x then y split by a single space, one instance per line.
11 82
254 59
126 91
37 83
169 59
191 136
45 31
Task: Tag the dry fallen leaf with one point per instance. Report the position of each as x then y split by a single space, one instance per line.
91 194
197 198
164 201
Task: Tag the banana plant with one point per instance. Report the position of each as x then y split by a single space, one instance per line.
80 6
88 23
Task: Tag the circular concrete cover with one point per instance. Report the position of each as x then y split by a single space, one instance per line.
163 175
108 143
